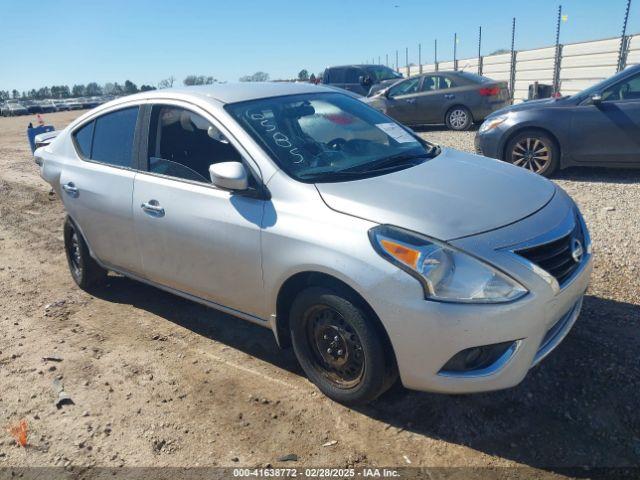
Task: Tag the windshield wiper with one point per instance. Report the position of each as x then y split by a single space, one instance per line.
387 163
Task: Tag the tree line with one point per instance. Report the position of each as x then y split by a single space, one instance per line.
93 89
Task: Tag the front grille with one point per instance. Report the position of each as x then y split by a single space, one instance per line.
556 257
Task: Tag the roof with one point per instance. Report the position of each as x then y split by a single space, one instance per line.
239 92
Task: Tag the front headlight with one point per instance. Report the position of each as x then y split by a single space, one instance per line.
446 274
492 123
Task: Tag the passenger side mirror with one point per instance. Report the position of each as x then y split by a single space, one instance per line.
229 175
596 98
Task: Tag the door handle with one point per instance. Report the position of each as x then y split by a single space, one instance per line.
449 96
410 100
152 207
71 189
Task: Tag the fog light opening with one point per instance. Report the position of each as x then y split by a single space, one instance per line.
476 358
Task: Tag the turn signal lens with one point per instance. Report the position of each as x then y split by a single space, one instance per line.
408 256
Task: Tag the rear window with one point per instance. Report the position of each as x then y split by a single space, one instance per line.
84 137
113 137
474 77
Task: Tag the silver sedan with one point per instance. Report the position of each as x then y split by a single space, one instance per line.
376 254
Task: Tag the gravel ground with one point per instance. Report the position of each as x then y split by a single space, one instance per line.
159 381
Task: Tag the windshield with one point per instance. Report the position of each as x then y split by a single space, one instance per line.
382 73
598 87
325 137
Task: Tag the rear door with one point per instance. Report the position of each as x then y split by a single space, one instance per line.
193 236
609 131
402 101
434 99
97 186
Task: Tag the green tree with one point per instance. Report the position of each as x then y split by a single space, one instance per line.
256 77
146 88
93 89
78 90
199 80
130 87
15 94
303 75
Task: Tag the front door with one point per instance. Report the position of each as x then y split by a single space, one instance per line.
402 101
194 237
433 100
609 131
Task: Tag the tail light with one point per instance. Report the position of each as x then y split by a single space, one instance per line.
489 91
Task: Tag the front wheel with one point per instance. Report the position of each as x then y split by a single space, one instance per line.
85 271
459 118
535 151
339 347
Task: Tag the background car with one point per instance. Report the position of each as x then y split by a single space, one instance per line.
48 106
12 109
361 79
32 106
599 126
73 104
457 99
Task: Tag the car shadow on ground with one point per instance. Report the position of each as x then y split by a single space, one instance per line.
580 407
599 175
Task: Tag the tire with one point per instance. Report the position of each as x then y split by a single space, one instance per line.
534 150
458 118
354 366
85 271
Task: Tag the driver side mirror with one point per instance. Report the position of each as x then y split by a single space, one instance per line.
596 98
229 175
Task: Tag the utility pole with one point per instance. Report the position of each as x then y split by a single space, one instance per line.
397 64
386 56
512 74
455 51
624 41
435 53
420 58
479 50
556 66
406 57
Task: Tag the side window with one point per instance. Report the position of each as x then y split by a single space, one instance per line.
352 75
113 137
626 90
183 144
337 75
430 83
445 82
84 137
405 88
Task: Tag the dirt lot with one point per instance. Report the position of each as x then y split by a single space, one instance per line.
159 381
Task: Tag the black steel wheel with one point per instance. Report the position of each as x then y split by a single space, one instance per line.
340 349
85 271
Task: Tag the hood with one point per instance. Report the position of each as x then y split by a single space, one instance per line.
453 195
533 104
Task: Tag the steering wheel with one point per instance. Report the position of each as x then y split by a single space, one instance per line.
336 143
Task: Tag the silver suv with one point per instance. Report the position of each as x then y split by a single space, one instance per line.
301 209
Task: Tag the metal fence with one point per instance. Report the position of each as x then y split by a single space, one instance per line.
577 65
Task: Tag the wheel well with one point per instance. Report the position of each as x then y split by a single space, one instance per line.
533 129
458 105
299 282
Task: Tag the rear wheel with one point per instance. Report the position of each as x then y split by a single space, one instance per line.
85 271
535 151
338 347
459 118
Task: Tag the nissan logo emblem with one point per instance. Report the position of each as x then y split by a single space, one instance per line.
576 250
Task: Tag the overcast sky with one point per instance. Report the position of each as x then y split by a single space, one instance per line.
70 41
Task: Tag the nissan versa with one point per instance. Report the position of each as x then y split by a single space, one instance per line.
299 208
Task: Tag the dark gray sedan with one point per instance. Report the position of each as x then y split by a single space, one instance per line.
599 126
457 99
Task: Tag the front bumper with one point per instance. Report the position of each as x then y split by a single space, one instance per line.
425 335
